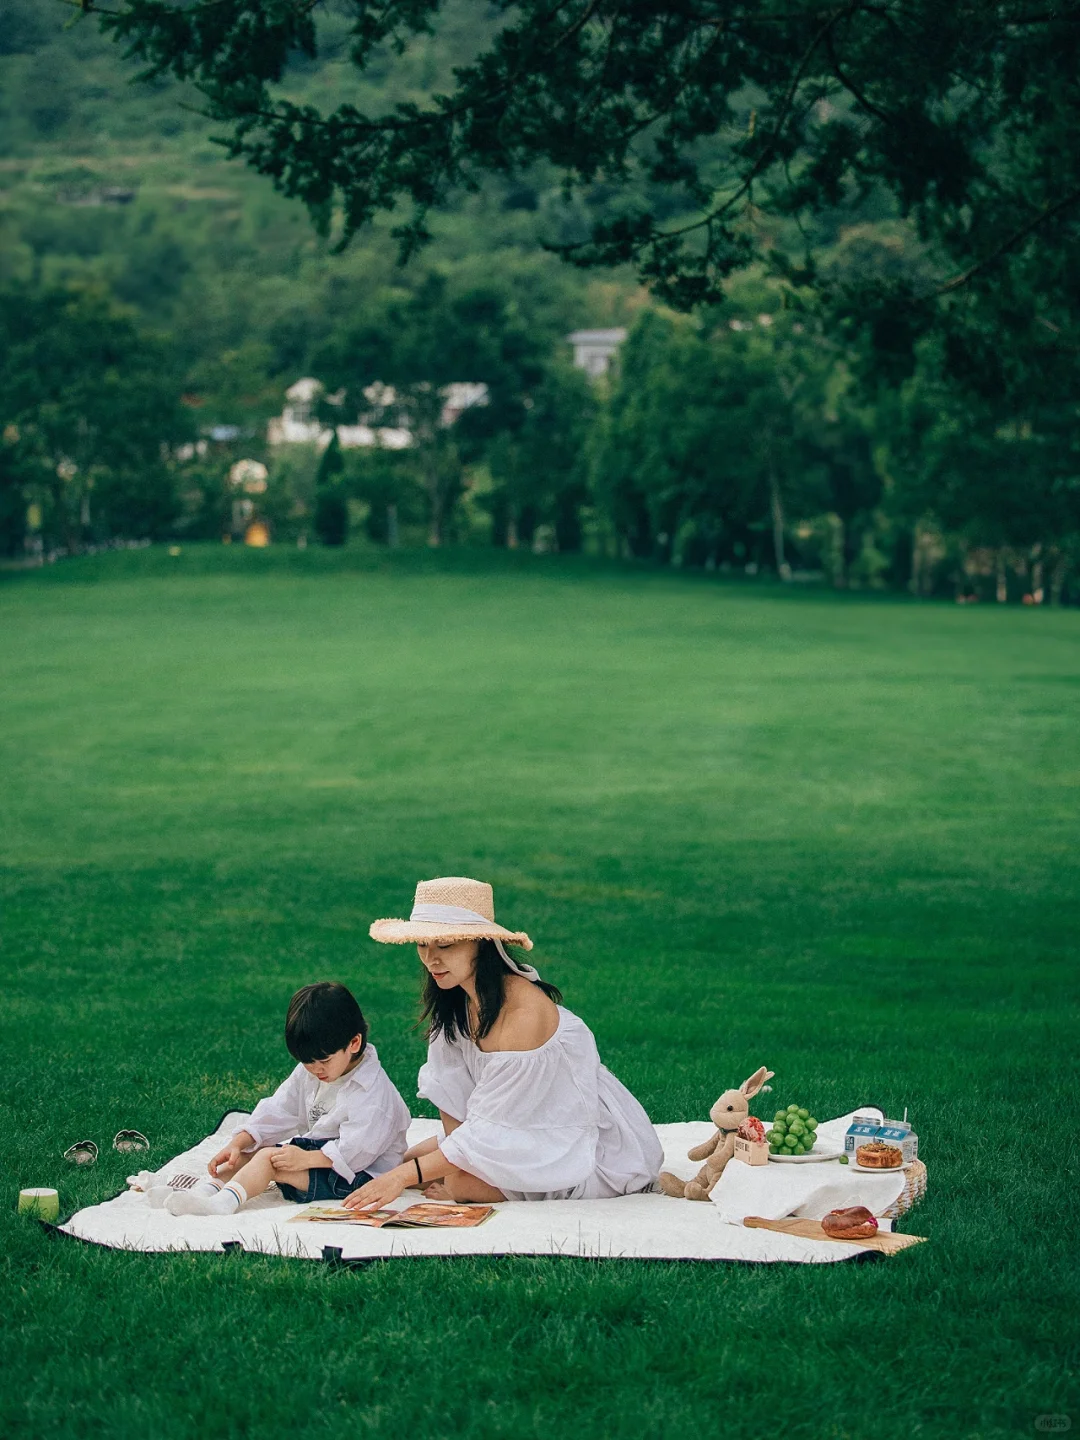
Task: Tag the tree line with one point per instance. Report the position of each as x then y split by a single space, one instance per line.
852 350
753 437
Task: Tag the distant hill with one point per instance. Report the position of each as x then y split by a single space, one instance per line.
109 181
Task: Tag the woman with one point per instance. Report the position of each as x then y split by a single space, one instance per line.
528 1112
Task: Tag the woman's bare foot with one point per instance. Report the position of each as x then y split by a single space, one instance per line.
436 1190
465 1189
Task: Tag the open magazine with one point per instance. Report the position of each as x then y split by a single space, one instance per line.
431 1215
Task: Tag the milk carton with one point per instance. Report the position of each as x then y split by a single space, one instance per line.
900 1134
861 1131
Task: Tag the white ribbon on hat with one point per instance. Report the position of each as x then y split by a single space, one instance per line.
458 915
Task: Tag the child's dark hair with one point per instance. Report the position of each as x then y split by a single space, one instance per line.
447 1011
322 1019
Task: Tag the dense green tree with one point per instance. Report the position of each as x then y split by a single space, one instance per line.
999 474
539 466
331 465
331 517
386 482
12 497
700 118
331 520
395 366
89 411
23 27
716 435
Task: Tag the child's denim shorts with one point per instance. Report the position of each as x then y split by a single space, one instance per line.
322 1184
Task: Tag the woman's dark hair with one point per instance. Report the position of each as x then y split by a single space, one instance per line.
447 1011
322 1019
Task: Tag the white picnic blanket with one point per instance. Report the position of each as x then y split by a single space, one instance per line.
653 1227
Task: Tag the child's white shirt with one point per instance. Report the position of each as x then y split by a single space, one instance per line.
361 1116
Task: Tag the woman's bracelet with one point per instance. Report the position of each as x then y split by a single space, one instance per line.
419 1172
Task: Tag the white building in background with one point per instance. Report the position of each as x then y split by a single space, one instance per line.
384 425
365 437
297 423
459 396
594 350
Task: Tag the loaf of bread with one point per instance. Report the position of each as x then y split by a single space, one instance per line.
854 1223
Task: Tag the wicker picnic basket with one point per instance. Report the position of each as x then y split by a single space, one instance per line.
913 1191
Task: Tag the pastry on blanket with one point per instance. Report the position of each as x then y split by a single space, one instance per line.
879 1156
854 1223
729 1112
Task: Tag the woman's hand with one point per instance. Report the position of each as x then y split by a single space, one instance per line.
380 1191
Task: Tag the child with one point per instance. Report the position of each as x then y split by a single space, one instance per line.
338 1112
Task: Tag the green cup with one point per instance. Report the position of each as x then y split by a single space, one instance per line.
42 1204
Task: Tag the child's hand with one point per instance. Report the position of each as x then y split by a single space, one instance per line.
227 1159
290 1157
232 1157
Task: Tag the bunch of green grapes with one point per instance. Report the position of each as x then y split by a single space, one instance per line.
793 1132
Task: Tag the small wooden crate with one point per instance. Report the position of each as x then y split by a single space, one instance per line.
751 1152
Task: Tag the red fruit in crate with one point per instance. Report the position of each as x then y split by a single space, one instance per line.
752 1129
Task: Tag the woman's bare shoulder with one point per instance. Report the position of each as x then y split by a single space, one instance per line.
528 1020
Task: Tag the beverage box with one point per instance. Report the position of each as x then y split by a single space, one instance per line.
861 1131
751 1152
900 1134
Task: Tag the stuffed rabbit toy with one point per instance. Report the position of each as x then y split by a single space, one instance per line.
727 1115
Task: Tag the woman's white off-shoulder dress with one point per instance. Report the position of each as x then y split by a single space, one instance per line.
544 1124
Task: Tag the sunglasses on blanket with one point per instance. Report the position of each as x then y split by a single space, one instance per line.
85 1152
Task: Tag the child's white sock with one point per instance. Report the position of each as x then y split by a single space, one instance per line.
200 1202
158 1189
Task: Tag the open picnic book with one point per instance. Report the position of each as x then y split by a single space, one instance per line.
431 1215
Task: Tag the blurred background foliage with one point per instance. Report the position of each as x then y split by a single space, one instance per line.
157 300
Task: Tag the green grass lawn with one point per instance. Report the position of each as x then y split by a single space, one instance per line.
835 836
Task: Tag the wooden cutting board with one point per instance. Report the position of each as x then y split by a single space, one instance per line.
888 1242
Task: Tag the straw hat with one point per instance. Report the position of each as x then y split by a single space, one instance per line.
451 908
